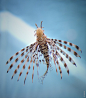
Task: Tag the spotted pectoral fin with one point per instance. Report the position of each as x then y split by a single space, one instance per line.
59 68
62 60
17 53
23 67
28 70
67 56
69 49
65 42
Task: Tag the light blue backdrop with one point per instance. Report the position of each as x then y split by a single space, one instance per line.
60 18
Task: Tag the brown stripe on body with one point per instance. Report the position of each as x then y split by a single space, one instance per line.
44 51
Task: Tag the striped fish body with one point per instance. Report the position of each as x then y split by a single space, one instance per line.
44 50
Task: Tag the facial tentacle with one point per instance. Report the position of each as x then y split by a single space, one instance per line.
41 24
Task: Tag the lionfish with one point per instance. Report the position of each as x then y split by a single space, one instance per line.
48 48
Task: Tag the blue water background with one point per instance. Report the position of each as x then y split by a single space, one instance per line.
58 17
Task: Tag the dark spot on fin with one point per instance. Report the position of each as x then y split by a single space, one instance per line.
60 72
75 53
15 71
11 58
60 44
65 42
23 49
70 59
65 65
70 44
22 61
16 59
59 40
77 47
27 50
11 66
24 66
24 80
18 66
68 71
55 39
61 59
20 73
74 64
66 55
17 53
27 73
69 49
12 77
7 62
64 47
22 54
